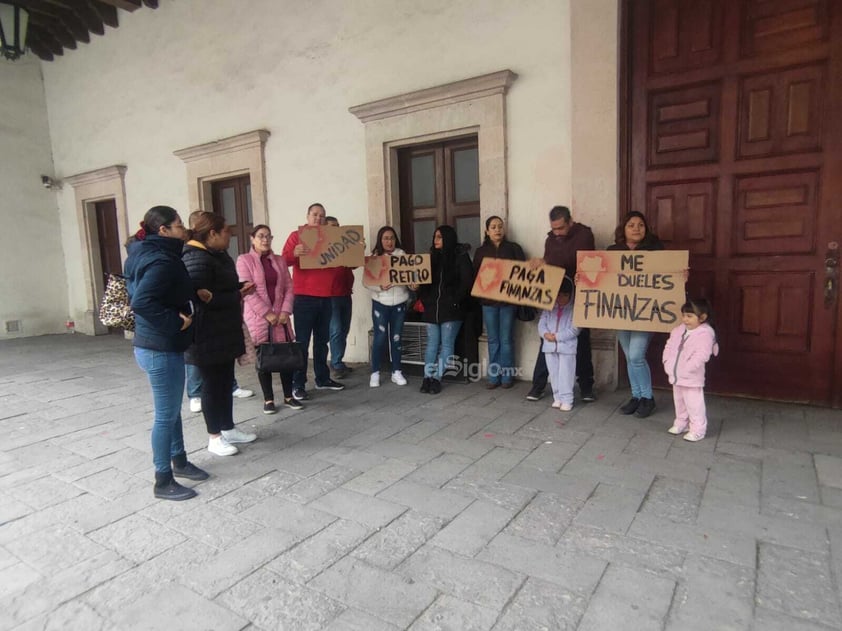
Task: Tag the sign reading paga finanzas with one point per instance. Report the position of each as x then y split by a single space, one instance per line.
630 290
332 246
515 282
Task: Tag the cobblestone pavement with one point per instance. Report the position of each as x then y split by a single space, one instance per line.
378 509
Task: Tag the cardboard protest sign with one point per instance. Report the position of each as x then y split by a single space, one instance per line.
332 246
397 269
505 280
630 290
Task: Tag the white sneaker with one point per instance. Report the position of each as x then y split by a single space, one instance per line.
236 436
693 438
565 407
677 429
242 393
195 404
374 381
557 404
398 378
221 447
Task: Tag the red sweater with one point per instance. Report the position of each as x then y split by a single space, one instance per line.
310 282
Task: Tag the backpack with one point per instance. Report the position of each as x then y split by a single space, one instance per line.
115 309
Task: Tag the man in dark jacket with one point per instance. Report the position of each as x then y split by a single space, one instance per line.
564 240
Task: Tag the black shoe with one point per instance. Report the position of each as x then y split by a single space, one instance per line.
292 403
535 394
166 488
435 386
425 386
646 407
631 406
300 394
269 407
330 384
588 396
189 471
341 372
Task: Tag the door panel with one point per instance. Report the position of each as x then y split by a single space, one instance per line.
735 153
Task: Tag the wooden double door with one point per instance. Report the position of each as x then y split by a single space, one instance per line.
732 137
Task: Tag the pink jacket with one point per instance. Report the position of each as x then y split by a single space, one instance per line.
685 357
257 304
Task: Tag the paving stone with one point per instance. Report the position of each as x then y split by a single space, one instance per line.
213 527
16 577
92 447
300 465
545 518
471 530
404 451
175 606
798 583
574 489
44 492
508 496
829 470
802 511
380 477
7 558
111 483
788 474
391 545
256 491
383 594
550 456
542 606
706 581
510 422
137 538
733 482
356 620
448 613
742 429
771 620
676 500
475 581
56 547
422 429
664 467
276 512
441 503
611 508
495 464
831 496
578 573
307 559
350 458
12 509
323 482
73 615
835 535
473 449
363 509
628 599
440 470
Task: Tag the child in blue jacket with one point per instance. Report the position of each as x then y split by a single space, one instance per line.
560 339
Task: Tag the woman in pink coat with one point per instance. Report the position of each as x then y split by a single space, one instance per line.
268 307
688 349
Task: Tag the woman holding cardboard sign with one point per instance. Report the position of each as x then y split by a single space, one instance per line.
498 317
445 303
633 234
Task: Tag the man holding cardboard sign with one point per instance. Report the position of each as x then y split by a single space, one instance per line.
564 240
312 309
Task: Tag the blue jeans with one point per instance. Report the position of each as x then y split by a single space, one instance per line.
634 345
340 324
166 376
311 316
388 324
441 342
499 323
194 382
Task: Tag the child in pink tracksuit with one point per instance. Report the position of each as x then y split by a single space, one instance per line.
688 349
560 339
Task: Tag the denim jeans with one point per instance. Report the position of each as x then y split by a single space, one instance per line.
634 345
441 343
311 315
340 324
166 376
499 323
388 324
194 382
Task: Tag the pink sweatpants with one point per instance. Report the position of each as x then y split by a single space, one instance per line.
690 409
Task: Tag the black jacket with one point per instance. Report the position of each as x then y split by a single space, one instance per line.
506 250
446 298
219 323
159 288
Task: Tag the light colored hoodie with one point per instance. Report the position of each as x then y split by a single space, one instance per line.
686 354
395 295
559 320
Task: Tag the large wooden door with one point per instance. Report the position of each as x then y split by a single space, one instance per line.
232 199
734 151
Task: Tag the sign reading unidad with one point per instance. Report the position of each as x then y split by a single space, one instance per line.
397 269
630 291
505 280
332 246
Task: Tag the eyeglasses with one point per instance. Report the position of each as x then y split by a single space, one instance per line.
263 237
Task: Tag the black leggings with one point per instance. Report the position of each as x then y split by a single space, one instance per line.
217 403
265 379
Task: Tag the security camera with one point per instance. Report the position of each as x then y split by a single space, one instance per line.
46 181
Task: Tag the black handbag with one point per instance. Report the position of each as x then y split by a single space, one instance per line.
525 313
280 356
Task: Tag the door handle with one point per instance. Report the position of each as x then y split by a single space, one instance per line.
831 274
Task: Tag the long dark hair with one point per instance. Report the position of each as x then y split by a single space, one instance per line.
202 223
377 250
156 217
620 231
487 239
443 261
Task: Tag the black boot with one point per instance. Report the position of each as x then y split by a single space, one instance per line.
181 468
425 386
631 406
646 407
166 488
435 386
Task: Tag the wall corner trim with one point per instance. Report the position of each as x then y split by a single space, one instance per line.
248 140
428 98
117 171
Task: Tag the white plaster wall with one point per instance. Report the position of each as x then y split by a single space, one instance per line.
198 70
32 279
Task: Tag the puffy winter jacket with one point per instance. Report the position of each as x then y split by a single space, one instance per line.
257 305
686 354
559 320
446 298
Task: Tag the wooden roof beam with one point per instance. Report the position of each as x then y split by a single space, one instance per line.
107 12
126 5
85 13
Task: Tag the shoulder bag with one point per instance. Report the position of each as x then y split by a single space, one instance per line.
280 356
